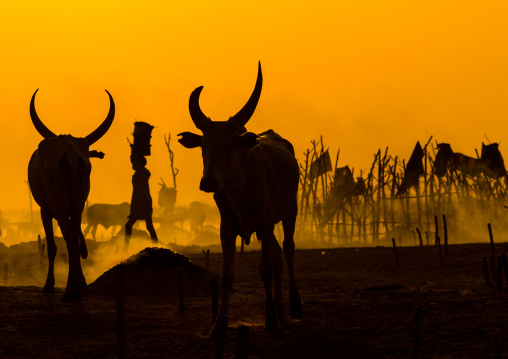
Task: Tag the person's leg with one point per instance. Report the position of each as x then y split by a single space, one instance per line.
151 230
128 233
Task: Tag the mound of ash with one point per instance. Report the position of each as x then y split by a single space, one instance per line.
153 272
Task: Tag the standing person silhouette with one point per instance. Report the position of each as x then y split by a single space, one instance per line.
141 203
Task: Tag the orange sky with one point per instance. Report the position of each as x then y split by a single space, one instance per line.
365 74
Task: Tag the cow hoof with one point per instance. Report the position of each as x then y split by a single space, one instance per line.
84 252
295 306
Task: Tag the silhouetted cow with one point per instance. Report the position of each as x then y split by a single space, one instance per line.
167 198
254 179
490 163
196 216
59 178
106 215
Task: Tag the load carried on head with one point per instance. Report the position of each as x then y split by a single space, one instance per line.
142 135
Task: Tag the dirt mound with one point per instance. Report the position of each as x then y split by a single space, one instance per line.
154 271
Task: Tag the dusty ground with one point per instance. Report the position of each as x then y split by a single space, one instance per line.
345 316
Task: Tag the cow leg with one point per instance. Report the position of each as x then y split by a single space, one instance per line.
47 222
228 241
266 270
84 254
87 229
94 231
277 271
288 224
72 291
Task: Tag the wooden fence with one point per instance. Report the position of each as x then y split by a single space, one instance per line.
339 207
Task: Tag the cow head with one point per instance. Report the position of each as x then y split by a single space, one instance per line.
491 157
220 138
444 155
91 138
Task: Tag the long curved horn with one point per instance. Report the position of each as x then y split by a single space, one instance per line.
104 127
244 115
39 126
197 116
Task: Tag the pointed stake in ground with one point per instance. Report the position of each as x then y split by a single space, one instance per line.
493 248
505 266
445 231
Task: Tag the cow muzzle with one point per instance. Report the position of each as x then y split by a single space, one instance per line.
208 185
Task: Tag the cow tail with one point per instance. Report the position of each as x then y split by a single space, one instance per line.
75 201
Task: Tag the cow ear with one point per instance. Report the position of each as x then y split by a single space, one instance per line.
189 139
248 140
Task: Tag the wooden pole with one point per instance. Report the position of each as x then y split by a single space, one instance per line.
181 305
215 300
395 252
418 205
505 266
120 311
493 249
436 229
445 230
383 191
242 342
392 193
419 236
416 342
174 170
378 202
